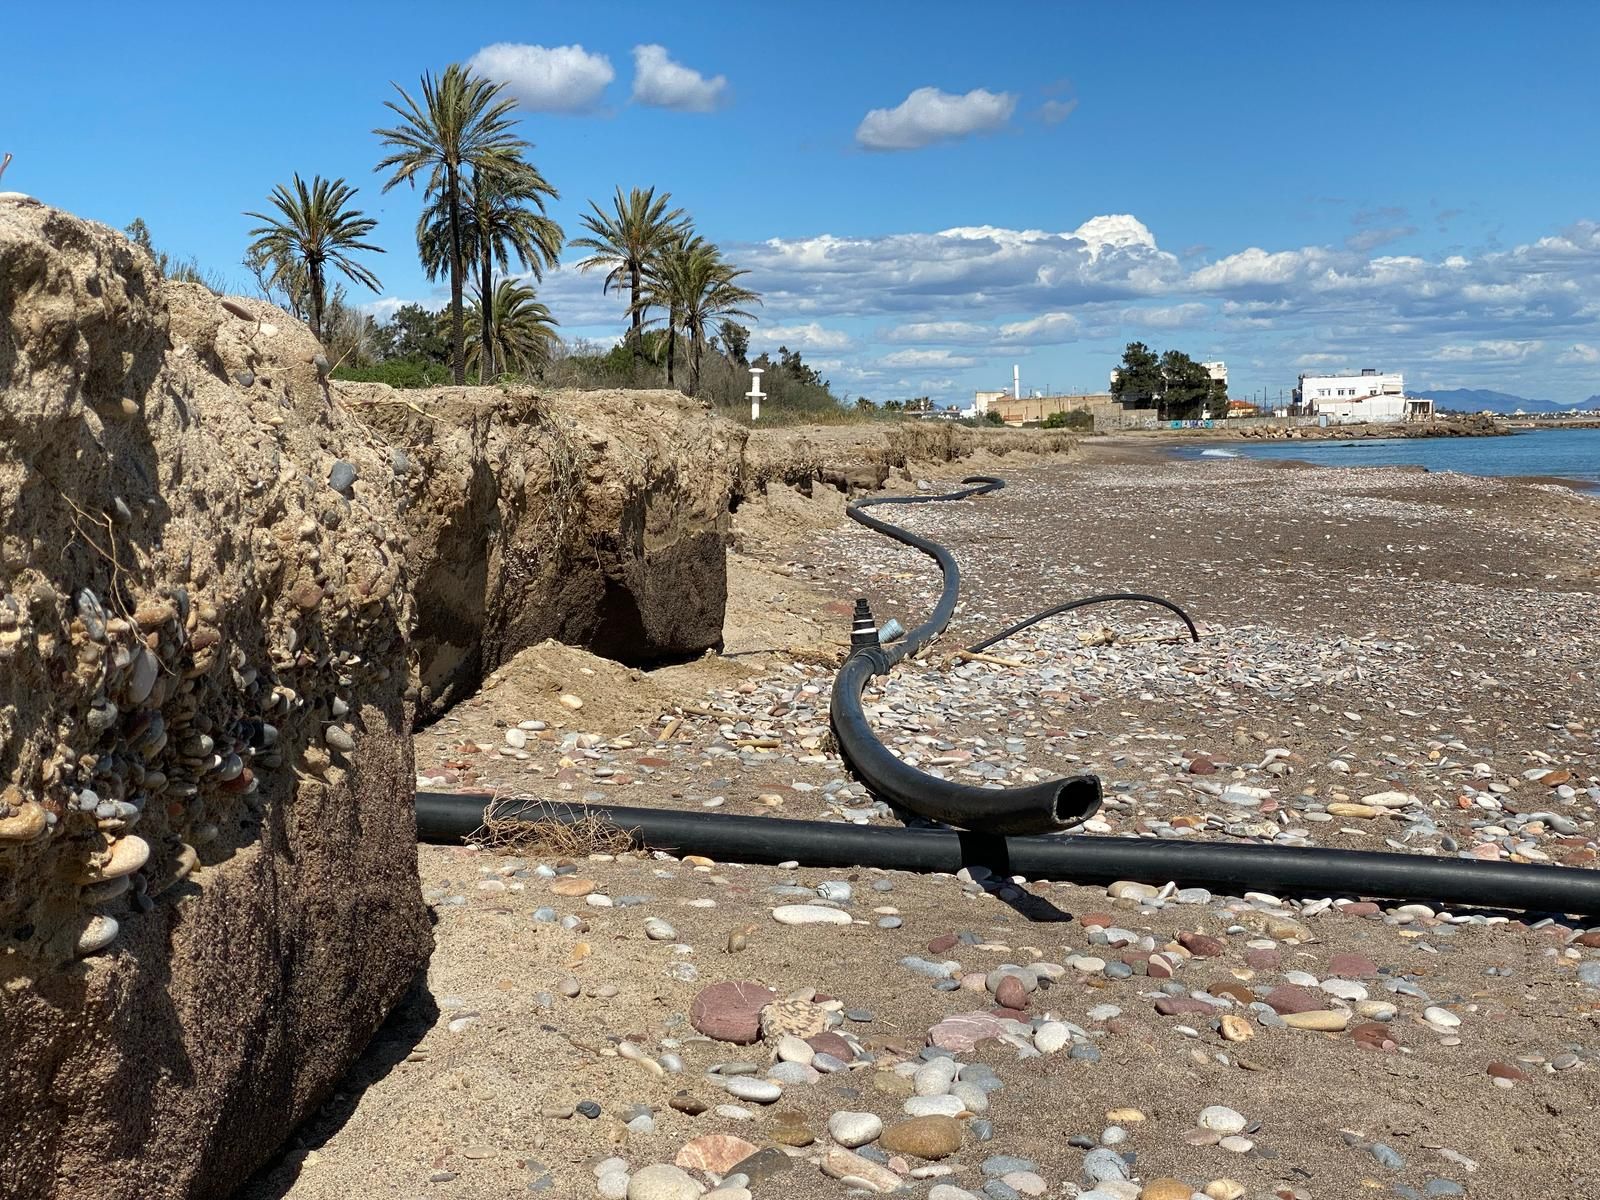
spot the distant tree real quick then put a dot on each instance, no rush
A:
(624, 241)
(1217, 399)
(524, 335)
(415, 332)
(863, 404)
(1139, 377)
(1078, 418)
(1185, 386)
(993, 418)
(314, 229)
(696, 287)
(736, 341)
(505, 221)
(463, 124)
(892, 406)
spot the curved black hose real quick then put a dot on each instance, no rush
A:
(1084, 603)
(1042, 808)
(1318, 872)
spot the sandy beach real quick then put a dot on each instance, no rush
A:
(1367, 634)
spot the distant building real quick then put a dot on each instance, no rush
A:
(983, 401)
(1370, 396)
(1218, 372)
(1029, 410)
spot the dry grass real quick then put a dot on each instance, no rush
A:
(576, 836)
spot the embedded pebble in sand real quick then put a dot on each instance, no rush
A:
(97, 932)
(809, 914)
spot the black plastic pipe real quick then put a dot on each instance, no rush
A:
(1295, 871)
(1041, 808)
(1108, 598)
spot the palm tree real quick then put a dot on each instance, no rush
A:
(463, 123)
(500, 219)
(657, 291)
(521, 330)
(694, 284)
(312, 231)
(624, 242)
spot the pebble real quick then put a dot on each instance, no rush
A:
(1441, 1017)
(1221, 1119)
(761, 1091)
(931, 1137)
(809, 914)
(1103, 1165)
(662, 1181)
(853, 1129)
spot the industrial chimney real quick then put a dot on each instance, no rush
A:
(1016, 381)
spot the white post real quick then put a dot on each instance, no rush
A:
(755, 394)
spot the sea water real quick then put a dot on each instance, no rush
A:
(1569, 453)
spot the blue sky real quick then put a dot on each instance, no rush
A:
(926, 193)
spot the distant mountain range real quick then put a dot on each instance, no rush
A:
(1482, 400)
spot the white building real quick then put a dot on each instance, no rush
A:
(1218, 372)
(1370, 396)
(982, 402)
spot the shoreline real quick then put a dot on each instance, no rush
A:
(1153, 448)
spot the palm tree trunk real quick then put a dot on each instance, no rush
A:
(486, 370)
(316, 298)
(694, 363)
(672, 345)
(458, 339)
(638, 318)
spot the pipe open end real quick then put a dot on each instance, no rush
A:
(1077, 799)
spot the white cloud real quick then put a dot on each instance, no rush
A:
(929, 115)
(949, 332)
(1490, 351)
(1053, 112)
(381, 309)
(1045, 329)
(809, 336)
(925, 360)
(662, 83)
(1580, 352)
(562, 79)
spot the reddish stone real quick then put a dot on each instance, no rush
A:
(1591, 939)
(1201, 765)
(1502, 1070)
(1202, 945)
(1011, 994)
(1360, 908)
(942, 943)
(1119, 1025)
(1234, 990)
(832, 1043)
(960, 1032)
(1118, 942)
(1172, 1006)
(1352, 966)
(654, 762)
(1159, 967)
(1374, 1035)
(731, 1012)
(1292, 999)
(1262, 960)
(1091, 919)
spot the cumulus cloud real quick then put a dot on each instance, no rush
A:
(661, 83)
(559, 79)
(948, 332)
(929, 115)
(1580, 352)
(808, 336)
